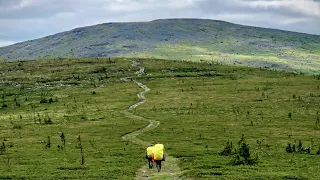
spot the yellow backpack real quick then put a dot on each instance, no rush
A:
(150, 152)
(158, 151)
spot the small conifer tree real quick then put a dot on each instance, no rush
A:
(227, 151)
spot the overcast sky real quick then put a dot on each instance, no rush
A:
(22, 20)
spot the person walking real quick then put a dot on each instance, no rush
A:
(158, 155)
(149, 156)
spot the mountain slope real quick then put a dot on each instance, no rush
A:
(181, 39)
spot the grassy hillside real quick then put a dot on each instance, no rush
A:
(199, 106)
(87, 97)
(202, 108)
(179, 39)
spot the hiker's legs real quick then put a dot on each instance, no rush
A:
(159, 165)
(150, 163)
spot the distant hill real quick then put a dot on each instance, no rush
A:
(179, 39)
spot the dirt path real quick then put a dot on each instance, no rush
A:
(170, 169)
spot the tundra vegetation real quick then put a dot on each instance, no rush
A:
(62, 118)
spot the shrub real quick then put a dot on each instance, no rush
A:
(63, 140)
(300, 148)
(289, 149)
(81, 150)
(17, 126)
(48, 144)
(318, 152)
(48, 121)
(43, 100)
(227, 151)
(243, 156)
(2, 148)
(99, 70)
(50, 100)
(307, 150)
(233, 77)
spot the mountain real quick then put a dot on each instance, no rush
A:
(179, 39)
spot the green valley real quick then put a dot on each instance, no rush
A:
(66, 118)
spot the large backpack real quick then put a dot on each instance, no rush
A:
(158, 152)
(150, 152)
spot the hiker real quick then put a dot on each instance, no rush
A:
(149, 156)
(158, 155)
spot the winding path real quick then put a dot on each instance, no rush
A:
(170, 168)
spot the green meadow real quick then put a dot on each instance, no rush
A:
(200, 106)
(231, 52)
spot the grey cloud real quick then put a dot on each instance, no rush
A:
(9, 4)
(281, 17)
(35, 9)
(240, 6)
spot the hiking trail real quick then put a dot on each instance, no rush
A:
(170, 168)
